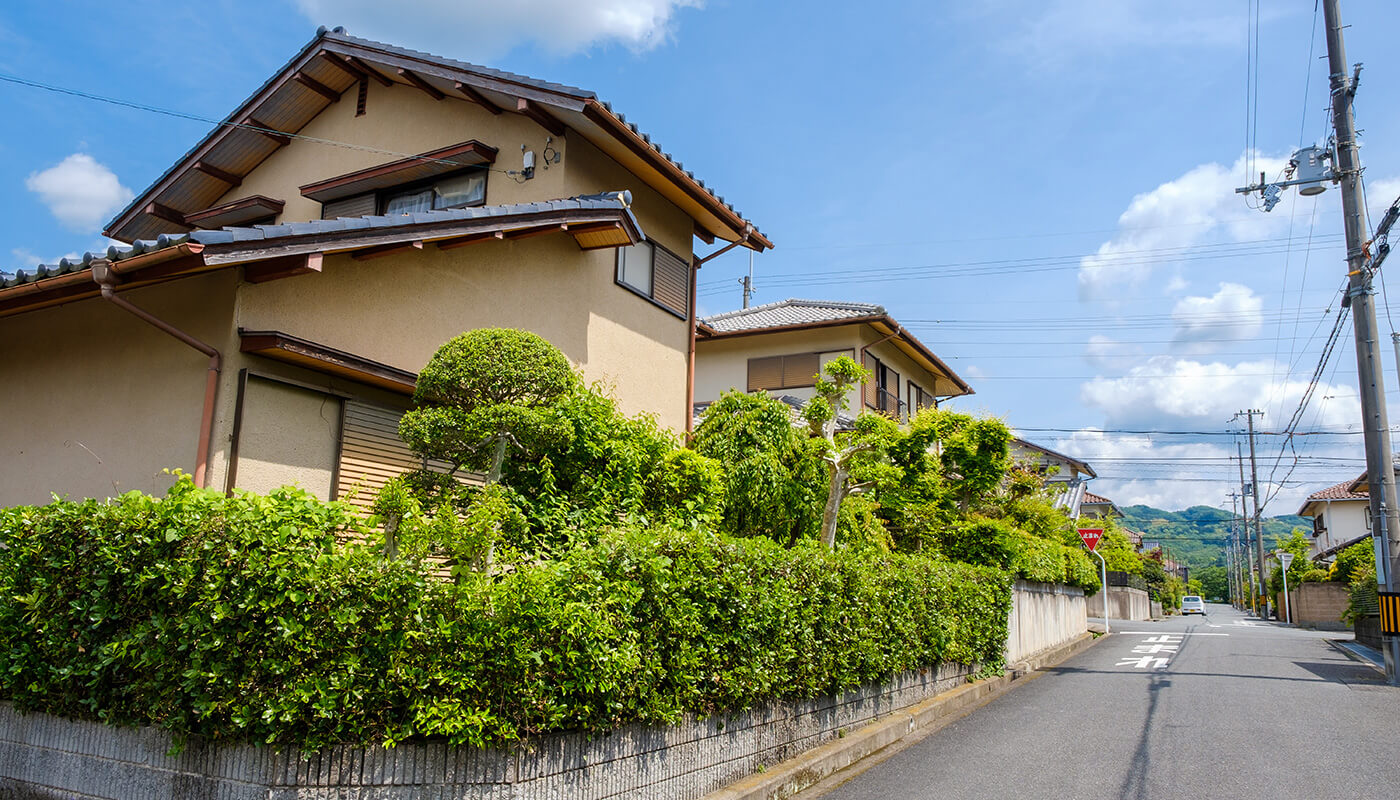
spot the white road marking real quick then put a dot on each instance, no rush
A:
(1184, 633)
(1155, 648)
(1166, 637)
(1145, 662)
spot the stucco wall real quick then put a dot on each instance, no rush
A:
(95, 402)
(400, 121)
(1317, 605)
(722, 364)
(289, 437)
(1345, 520)
(398, 310)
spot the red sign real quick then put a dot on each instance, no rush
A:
(1091, 536)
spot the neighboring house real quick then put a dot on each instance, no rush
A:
(1100, 507)
(1064, 475)
(781, 347)
(366, 204)
(1341, 517)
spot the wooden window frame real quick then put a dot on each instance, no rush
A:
(651, 296)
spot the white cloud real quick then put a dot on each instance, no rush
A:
(80, 192)
(1107, 353)
(25, 258)
(1055, 33)
(1166, 392)
(1234, 312)
(1194, 209)
(485, 30)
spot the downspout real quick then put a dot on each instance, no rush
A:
(690, 354)
(107, 278)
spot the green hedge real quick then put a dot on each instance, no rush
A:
(995, 542)
(243, 619)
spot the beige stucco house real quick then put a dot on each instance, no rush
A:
(1341, 516)
(781, 347)
(285, 280)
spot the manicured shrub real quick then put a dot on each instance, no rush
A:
(250, 618)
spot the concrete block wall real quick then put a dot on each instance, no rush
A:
(1317, 605)
(1124, 602)
(1043, 615)
(46, 757)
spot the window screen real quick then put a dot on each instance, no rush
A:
(462, 190)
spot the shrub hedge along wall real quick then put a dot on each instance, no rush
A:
(248, 618)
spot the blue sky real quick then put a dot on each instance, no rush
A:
(1039, 191)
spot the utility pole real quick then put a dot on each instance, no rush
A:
(1375, 425)
(1255, 584)
(747, 281)
(1231, 553)
(1258, 530)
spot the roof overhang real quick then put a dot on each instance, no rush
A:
(333, 62)
(950, 385)
(284, 256)
(328, 360)
(1082, 466)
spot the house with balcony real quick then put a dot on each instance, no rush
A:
(780, 348)
(282, 282)
(1341, 517)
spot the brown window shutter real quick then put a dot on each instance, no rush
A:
(371, 453)
(765, 373)
(800, 370)
(671, 281)
(892, 387)
(360, 205)
(870, 392)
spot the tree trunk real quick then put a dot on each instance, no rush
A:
(497, 460)
(836, 488)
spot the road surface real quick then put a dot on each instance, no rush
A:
(1221, 706)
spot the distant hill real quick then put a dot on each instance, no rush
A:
(1196, 536)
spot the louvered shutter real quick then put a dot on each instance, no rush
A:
(671, 281)
(360, 205)
(800, 369)
(371, 453)
(765, 373)
(870, 391)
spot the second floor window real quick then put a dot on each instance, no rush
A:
(882, 390)
(657, 274)
(466, 189)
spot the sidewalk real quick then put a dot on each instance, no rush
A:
(1360, 652)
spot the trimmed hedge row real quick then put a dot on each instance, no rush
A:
(244, 619)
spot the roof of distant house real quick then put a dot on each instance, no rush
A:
(798, 315)
(1346, 490)
(1082, 466)
(790, 313)
(1092, 499)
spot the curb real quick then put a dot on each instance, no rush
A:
(1355, 656)
(806, 770)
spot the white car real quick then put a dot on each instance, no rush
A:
(1193, 604)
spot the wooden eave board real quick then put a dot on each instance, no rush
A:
(329, 361)
(400, 171)
(236, 213)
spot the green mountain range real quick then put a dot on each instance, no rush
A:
(1196, 536)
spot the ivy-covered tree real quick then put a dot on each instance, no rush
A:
(483, 391)
(772, 477)
(871, 433)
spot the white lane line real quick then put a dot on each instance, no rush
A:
(1149, 633)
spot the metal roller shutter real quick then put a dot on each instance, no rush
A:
(671, 281)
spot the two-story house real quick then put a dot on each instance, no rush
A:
(287, 277)
(781, 347)
(1341, 517)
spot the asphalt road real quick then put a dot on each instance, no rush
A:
(1224, 706)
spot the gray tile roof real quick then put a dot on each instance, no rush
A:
(594, 202)
(790, 312)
